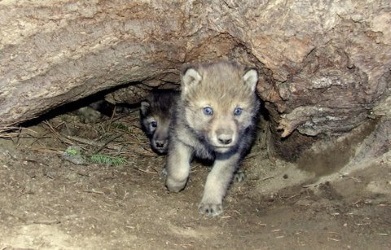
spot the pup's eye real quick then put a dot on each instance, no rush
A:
(238, 111)
(207, 111)
(153, 124)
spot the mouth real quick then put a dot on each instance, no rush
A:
(222, 149)
(160, 151)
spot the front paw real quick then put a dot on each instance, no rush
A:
(239, 176)
(163, 174)
(175, 185)
(210, 209)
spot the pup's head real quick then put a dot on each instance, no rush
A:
(155, 114)
(220, 102)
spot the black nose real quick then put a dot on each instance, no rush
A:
(225, 141)
(160, 144)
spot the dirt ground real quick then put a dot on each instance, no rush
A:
(51, 199)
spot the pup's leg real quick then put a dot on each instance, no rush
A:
(178, 166)
(217, 183)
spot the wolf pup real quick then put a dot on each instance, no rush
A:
(215, 119)
(155, 116)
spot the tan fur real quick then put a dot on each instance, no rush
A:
(205, 125)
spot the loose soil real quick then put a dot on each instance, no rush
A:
(49, 201)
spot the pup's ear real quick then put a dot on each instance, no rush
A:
(250, 78)
(144, 108)
(190, 77)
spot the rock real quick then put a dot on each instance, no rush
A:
(325, 65)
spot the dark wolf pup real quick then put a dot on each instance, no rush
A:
(155, 116)
(215, 119)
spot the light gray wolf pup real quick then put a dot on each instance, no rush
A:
(155, 115)
(215, 119)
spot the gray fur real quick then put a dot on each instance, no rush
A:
(158, 110)
(205, 126)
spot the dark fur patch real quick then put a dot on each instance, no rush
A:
(158, 108)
